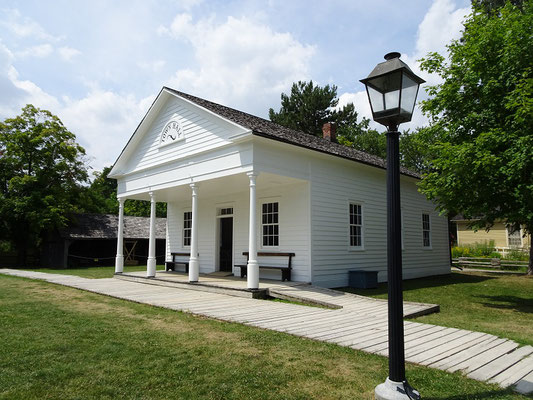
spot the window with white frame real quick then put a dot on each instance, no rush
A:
(514, 236)
(225, 211)
(356, 225)
(270, 224)
(426, 230)
(187, 228)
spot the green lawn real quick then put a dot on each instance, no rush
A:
(92, 272)
(492, 303)
(63, 343)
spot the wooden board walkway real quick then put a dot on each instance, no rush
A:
(359, 324)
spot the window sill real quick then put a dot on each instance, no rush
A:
(356, 249)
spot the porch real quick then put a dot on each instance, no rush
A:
(224, 223)
(230, 285)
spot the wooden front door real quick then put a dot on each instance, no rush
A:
(226, 244)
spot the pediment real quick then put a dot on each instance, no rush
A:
(174, 128)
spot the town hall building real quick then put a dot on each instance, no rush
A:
(240, 189)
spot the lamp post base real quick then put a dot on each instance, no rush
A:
(390, 390)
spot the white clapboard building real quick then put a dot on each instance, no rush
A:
(237, 183)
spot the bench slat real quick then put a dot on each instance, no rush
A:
(285, 271)
(269, 254)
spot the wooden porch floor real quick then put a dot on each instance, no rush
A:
(361, 324)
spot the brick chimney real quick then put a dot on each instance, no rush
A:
(329, 131)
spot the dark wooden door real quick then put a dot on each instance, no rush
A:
(226, 244)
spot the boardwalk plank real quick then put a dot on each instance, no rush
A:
(500, 364)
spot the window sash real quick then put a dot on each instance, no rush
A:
(426, 230)
(187, 228)
(514, 236)
(270, 224)
(356, 225)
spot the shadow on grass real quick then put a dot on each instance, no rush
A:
(421, 283)
(493, 394)
(520, 304)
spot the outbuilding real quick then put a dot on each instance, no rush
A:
(91, 239)
(238, 187)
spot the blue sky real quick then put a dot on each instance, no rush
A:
(99, 64)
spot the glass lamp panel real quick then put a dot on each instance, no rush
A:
(387, 83)
(376, 99)
(392, 100)
(409, 92)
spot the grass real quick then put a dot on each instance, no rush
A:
(491, 303)
(63, 343)
(497, 304)
(92, 272)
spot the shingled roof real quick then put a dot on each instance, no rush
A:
(265, 128)
(105, 226)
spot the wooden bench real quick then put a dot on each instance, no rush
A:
(171, 265)
(285, 270)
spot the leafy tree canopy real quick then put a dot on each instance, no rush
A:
(415, 152)
(41, 167)
(481, 119)
(101, 197)
(309, 107)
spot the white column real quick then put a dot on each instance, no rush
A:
(150, 265)
(119, 260)
(194, 266)
(253, 267)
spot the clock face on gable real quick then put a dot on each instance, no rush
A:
(172, 132)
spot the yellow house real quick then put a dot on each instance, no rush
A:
(505, 237)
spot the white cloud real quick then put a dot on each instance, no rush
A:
(39, 51)
(240, 62)
(359, 100)
(103, 121)
(154, 66)
(25, 26)
(68, 53)
(15, 93)
(441, 24)
(188, 4)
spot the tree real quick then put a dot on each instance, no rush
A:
(415, 152)
(101, 197)
(309, 107)
(41, 168)
(367, 140)
(481, 118)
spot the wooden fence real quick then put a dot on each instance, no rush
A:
(496, 263)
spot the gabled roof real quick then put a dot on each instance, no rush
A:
(271, 130)
(105, 226)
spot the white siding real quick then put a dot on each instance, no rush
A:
(202, 131)
(294, 228)
(334, 183)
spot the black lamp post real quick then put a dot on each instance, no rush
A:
(392, 89)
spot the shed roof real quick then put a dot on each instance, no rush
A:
(265, 128)
(105, 226)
